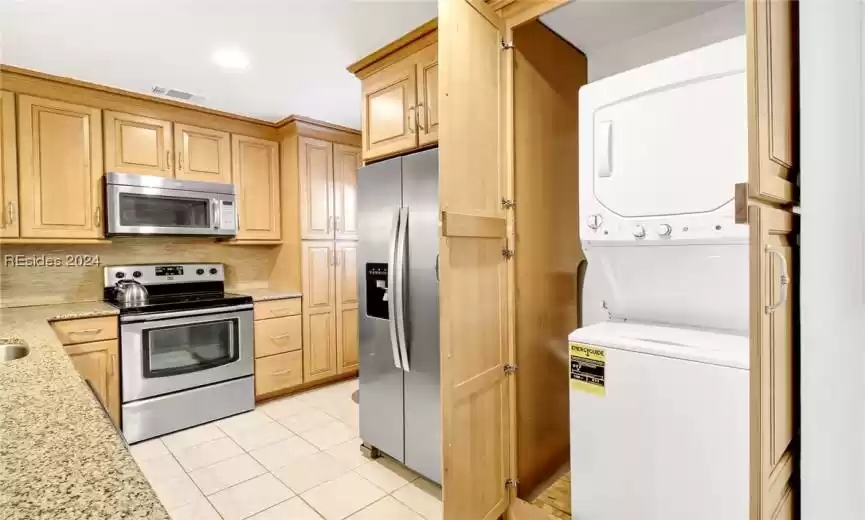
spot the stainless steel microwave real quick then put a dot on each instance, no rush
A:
(151, 205)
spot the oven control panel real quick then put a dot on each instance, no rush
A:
(165, 273)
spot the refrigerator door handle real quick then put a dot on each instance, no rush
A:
(391, 288)
(401, 287)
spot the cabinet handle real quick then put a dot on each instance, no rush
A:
(784, 280)
(98, 216)
(168, 160)
(281, 372)
(180, 160)
(336, 258)
(280, 336)
(11, 210)
(411, 115)
(337, 227)
(85, 331)
(329, 224)
(279, 312)
(418, 118)
(111, 364)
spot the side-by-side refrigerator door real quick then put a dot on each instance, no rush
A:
(420, 194)
(379, 199)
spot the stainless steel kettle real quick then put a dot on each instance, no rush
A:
(130, 292)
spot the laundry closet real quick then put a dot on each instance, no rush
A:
(683, 247)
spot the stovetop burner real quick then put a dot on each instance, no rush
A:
(172, 287)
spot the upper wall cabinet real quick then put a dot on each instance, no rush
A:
(9, 222)
(400, 90)
(346, 161)
(316, 188)
(136, 144)
(202, 154)
(256, 177)
(60, 165)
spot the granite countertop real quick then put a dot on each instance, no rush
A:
(262, 295)
(60, 455)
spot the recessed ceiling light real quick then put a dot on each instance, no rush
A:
(231, 58)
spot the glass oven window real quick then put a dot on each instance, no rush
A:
(152, 210)
(188, 348)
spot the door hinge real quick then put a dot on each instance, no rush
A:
(508, 203)
(507, 253)
(512, 483)
(507, 45)
(510, 368)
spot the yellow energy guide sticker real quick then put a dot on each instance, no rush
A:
(587, 368)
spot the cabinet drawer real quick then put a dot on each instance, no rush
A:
(278, 372)
(276, 308)
(277, 335)
(86, 330)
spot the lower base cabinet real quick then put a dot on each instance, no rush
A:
(278, 372)
(98, 364)
(278, 346)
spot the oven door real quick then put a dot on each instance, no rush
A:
(137, 210)
(172, 351)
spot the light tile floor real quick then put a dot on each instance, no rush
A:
(294, 458)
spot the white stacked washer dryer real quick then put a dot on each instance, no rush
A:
(659, 386)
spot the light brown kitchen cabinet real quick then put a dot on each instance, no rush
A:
(346, 161)
(399, 111)
(60, 169)
(278, 373)
(346, 307)
(316, 188)
(137, 144)
(388, 114)
(9, 221)
(255, 174)
(427, 95)
(203, 154)
(97, 362)
(319, 310)
(277, 327)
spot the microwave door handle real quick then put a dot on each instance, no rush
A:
(215, 204)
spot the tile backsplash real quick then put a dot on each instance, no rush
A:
(245, 266)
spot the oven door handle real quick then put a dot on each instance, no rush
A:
(180, 314)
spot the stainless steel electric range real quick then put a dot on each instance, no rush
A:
(186, 347)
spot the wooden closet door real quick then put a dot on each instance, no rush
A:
(255, 174)
(772, 99)
(316, 189)
(346, 307)
(9, 222)
(137, 144)
(772, 275)
(388, 114)
(475, 390)
(427, 95)
(319, 310)
(202, 154)
(60, 162)
(346, 161)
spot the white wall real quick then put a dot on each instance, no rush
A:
(832, 277)
(714, 26)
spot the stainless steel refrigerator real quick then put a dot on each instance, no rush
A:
(400, 407)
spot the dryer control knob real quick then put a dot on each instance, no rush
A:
(595, 221)
(639, 231)
(664, 230)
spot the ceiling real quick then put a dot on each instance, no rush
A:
(592, 24)
(298, 49)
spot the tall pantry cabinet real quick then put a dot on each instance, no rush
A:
(324, 162)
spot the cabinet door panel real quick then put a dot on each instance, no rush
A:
(346, 160)
(319, 311)
(60, 147)
(389, 98)
(772, 274)
(256, 177)
(316, 188)
(98, 364)
(136, 144)
(771, 32)
(202, 154)
(9, 222)
(427, 95)
(346, 306)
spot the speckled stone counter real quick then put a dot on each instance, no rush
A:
(263, 295)
(60, 456)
